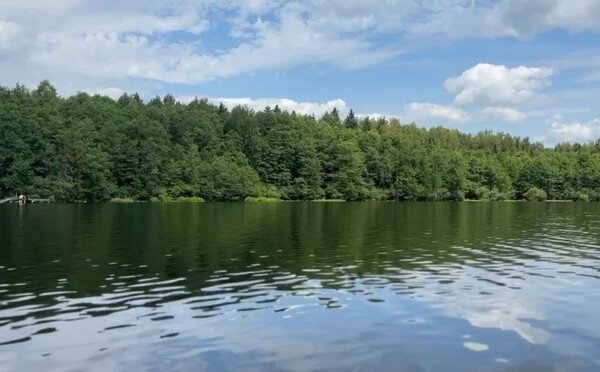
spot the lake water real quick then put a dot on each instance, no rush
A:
(300, 286)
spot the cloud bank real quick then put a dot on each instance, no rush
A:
(166, 40)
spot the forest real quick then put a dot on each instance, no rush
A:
(91, 148)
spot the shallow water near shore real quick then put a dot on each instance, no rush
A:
(300, 286)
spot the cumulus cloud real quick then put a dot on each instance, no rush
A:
(504, 113)
(147, 45)
(376, 116)
(287, 43)
(487, 92)
(304, 108)
(136, 40)
(575, 132)
(428, 112)
(164, 40)
(497, 85)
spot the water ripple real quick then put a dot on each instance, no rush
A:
(515, 280)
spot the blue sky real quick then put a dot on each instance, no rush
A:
(527, 67)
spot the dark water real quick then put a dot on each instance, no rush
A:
(300, 286)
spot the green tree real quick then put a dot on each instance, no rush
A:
(351, 122)
(89, 148)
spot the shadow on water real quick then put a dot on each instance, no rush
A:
(301, 286)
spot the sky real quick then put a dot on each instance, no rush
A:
(526, 67)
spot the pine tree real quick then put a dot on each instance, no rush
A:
(351, 122)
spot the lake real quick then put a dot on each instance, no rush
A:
(300, 286)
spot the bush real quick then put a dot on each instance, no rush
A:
(189, 199)
(483, 193)
(181, 199)
(227, 178)
(535, 194)
(439, 194)
(266, 191)
(261, 199)
(122, 200)
(457, 195)
(495, 195)
(379, 194)
(593, 195)
(472, 191)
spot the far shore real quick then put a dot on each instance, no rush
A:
(190, 200)
(274, 200)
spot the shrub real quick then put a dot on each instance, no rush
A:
(457, 195)
(495, 195)
(190, 199)
(482, 193)
(122, 200)
(535, 194)
(260, 199)
(266, 191)
(593, 195)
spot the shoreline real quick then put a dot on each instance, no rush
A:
(319, 201)
(266, 200)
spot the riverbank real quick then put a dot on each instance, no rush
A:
(274, 200)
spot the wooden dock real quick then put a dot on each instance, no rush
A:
(15, 199)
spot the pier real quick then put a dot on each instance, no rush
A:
(15, 199)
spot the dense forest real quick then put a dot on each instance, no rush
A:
(88, 148)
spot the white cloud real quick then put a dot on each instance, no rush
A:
(458, 18)
(376, 116)
(116, 39)
(10, 39)
(487, 92)
(106, 40)
(497, 85)
(135, 46)
(574, 132)
(517, 18)
(527, 17)
(112, 92)
(504, 113)
(428, 112)
(285, 104)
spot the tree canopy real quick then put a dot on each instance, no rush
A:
(90, 148)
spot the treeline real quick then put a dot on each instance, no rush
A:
(93, 148)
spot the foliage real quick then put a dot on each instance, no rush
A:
(122, 200)
(260, 199)
(92, 149)
(190, 199)
(535, 194)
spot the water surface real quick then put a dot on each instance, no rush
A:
(300, 286)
